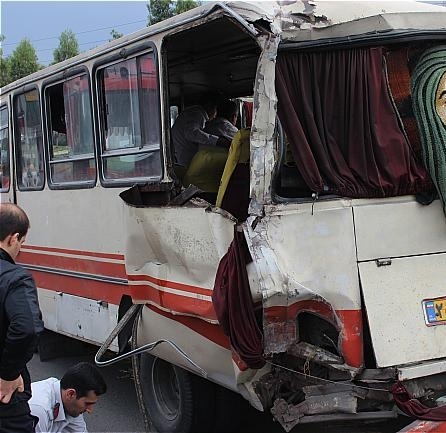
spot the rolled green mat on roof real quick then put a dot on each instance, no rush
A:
(424, 84)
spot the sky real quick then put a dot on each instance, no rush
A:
(42, 22)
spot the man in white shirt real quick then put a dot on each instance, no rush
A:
(187, 132)
(60, 404)
(224, 124)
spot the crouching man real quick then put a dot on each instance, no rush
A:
(60, 404)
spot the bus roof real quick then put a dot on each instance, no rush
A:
(298, 22)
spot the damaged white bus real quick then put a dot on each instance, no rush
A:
(306, 270)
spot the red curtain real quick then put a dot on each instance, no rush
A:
(413, 407)
(234, 306)
(342, 127)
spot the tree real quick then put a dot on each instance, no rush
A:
(159, 10)
(23, 60)
(68, 47)
(185, 5)
(4, 66)
(115, 35)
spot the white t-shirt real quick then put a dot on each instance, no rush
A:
(46, 404)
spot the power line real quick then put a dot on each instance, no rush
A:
(78, 33)
(84, 43)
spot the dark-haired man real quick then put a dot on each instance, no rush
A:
(60, 404)
(223, 125)
(187, 132)
(20, 323)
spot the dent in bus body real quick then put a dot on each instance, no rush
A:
(312, 308)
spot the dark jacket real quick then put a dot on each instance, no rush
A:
(20, 324)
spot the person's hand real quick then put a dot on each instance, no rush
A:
(7, 388)
(223, 142)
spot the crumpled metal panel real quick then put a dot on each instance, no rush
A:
(263, 126)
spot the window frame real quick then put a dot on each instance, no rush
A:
(124, 54)
(5, 107)
(22, 91)
(60, 79)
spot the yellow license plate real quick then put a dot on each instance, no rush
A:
(435, 311)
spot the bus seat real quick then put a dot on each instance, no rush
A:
(238, 154)
(206, 168)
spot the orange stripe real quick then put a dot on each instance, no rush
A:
(103, 268)
(352, 342)
(208, 330)
(171, 284)
(421, 426)
(83, 287)
(174, 302)
(116, 270)
(75, 252)
(348, 322)
(98, 290)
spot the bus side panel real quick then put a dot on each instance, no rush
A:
(74, 251)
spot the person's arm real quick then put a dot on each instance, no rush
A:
(22, 310)
(8, 387)
(193, 132)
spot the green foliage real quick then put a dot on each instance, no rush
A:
(159, 10)
(5, 71)
(68, 47)
(185, 5)
(115, 35)
(4, 66)
(23, 61)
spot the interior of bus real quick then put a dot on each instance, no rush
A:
(325, 144)
(345, 126)
(218, 57)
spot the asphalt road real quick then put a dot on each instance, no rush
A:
(117, 410)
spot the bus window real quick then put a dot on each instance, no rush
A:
(28, 141)
(4, 150)
(131, 120)
(70, 132)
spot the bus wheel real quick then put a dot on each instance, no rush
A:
(171, 397)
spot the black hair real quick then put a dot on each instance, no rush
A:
(13, 219)
(209, 100)
(227, 109)
(83, 378)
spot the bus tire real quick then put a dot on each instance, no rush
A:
(175, 400)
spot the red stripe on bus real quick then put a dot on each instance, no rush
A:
(75, 252)
(212, 332)
(422, 426)
(78, 286)
(112, 293)
(85, 265)
(171, 284)
(348, 322)
(174, 302)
